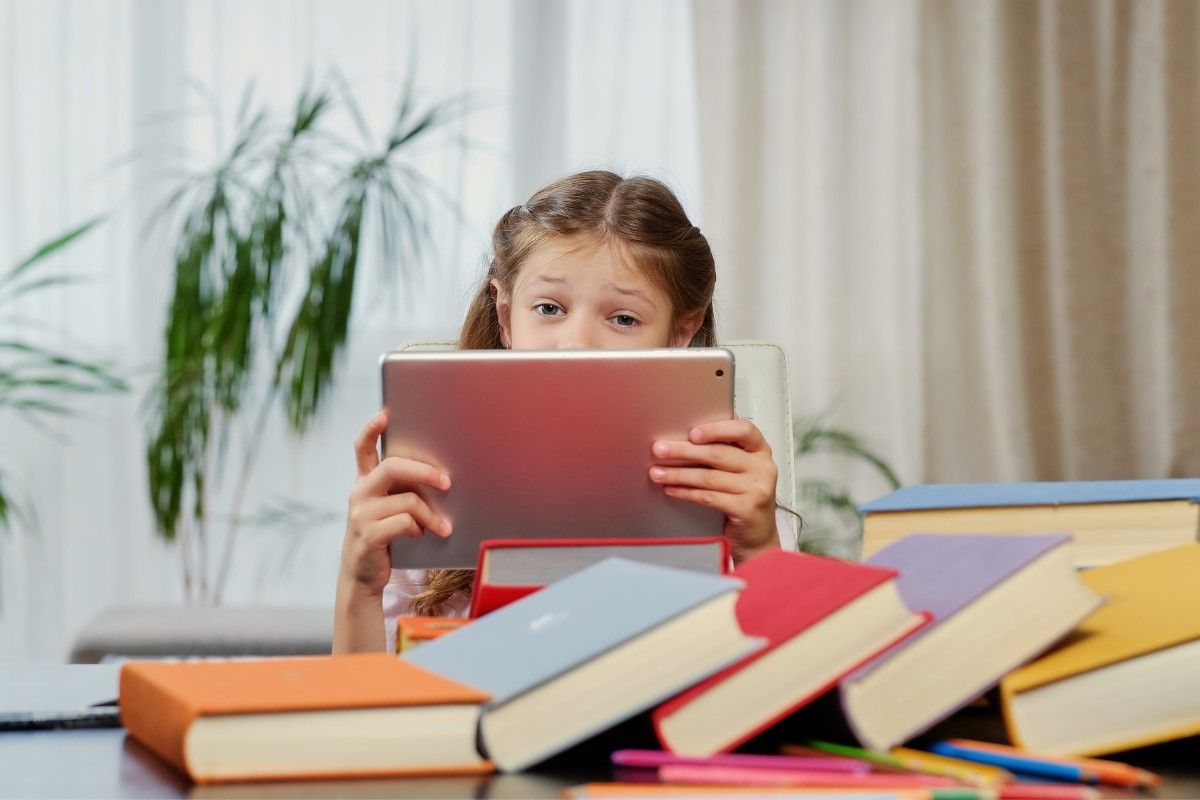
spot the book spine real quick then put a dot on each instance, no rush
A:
(153, 716)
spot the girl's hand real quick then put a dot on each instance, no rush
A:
(376, 515)
(736, 476)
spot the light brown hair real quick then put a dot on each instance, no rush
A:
(642, 220)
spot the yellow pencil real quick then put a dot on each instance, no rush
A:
(967, 771)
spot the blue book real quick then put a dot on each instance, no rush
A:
(588, 652)
(1042, 493)
(1109, 520)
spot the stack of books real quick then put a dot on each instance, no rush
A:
(1109, 521)
(929, 623)
(1130, 674)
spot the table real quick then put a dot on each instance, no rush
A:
(107, 763)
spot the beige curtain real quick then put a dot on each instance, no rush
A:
(975, 225)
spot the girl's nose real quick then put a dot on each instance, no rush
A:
(580, 336)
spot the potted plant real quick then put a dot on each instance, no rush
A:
(832, 522)
(268, 241)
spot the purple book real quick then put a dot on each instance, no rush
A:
(997, 601)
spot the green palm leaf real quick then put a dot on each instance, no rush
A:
(48, 249)
(36, 381)
(811, 436)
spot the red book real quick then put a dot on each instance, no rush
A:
(509, 569)
(822, 618)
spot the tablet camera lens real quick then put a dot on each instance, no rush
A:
(720, 373)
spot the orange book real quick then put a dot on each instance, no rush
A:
(411, 631)
(1127, 677)
(364, 715)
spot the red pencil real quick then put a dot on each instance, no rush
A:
(743, 776)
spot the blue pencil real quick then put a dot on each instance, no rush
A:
(1015, 763)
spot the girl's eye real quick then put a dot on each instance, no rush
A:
(625, 320)
(547, 309)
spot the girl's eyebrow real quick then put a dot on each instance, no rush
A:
(631, 293)
(541, 278)
(555, 281)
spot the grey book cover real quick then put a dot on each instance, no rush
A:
(532, 641)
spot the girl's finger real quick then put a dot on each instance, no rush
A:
(375, 509)
(700, 478)
(741, 432)
(366, 446)
(720, 456)
(724, 502)
(404, 523)
(384, 531)
(394, 472)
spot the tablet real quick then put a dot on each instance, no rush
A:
(549, 444)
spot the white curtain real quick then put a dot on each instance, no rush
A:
(974, 224)
(90, 95)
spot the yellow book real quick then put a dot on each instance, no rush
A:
(1129, 676)
(1110, 520)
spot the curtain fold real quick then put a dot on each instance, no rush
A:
(974, 225)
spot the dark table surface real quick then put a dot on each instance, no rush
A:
(106, 763)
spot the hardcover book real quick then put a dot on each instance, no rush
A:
(312, 717)
(509, 569)
(1110, 520)
(1128, 678)
(588, 652)
(821, 617)
(997, 601)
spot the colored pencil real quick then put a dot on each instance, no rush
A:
(779, 777)
(1115, 773)
(1045, 791)
(875, 766)
(608, 790)
(1017, 762)
(872, 756)
(660, 758)
(967, 771)
(927, 763)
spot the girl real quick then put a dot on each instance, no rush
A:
(590, 261)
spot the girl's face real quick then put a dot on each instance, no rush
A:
(574, 293)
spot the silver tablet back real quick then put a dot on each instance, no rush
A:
(549, 444)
